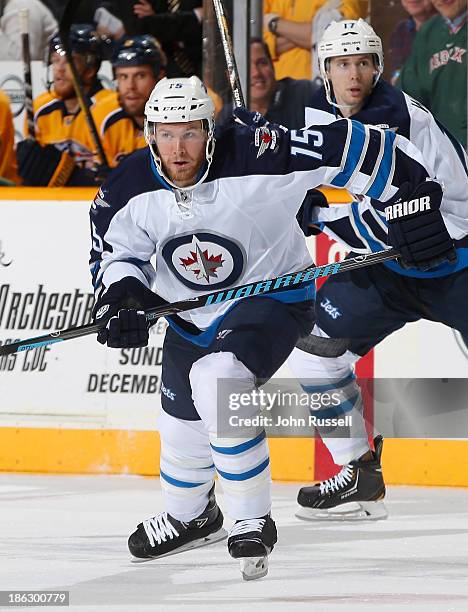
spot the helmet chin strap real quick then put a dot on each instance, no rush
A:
(328, 95)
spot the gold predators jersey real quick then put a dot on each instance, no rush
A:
(69, 132)
(120, 134)
(7, 140)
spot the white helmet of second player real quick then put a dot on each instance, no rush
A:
(348, 37)
(179, 100)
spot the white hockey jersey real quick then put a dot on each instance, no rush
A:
(359, 225)
(241, 224)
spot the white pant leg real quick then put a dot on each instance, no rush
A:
(334, 376)
(241, 457)
(187, 470)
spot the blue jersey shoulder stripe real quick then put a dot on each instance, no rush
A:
(385, 168)
(353, 155)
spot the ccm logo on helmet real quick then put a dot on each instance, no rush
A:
(402, 209)
(173, 108)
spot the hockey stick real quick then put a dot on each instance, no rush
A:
(26, 53)
(233, 73)
(263, 287)
(64, 30)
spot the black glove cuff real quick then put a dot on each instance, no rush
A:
(313, 198)
(127, 293)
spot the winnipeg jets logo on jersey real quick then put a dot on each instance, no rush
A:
(99, 200)
(201, 263)
(331, 310)
(201, 260)
(265, 138)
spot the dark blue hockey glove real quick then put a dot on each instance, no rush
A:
(121, 311)
(417, 229)
(304, 216)
(248, 118)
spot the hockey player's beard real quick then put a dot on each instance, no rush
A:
(136, 111)
(183, 176)
(65, 91)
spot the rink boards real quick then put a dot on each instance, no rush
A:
(81, 408)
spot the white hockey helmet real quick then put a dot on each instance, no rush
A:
(349, 37)
(179, 100)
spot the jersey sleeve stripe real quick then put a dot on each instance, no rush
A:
(46, 109)
(364, 234)
(357, 171)
(386, 167)
(343, 232)
(354, 154)
(113, 117)
(374, 165)
(373, 230)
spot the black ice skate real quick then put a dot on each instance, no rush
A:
(356, 493)
(251, 541)
(163, 535)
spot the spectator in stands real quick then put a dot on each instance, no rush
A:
(107, 24)
(42, 25)
(138, 65)
(436, 71)
(280, 101)
(177, 24)
(121, 9)
(403, 35)
(293, 27)
(58, 154)
(7, 142)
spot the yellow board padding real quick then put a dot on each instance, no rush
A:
(425, 462)
(79, 451)
(48, 193)
(94, 451)
(335, 196)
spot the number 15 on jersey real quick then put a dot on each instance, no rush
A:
(310, 140)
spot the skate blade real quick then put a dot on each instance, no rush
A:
(354, 511)
(217, 536)
(253, 568)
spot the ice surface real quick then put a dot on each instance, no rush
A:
(69, 533)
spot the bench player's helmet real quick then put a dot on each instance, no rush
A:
(180, 100)
(141, 50)
(84, 40)
(348, 37)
